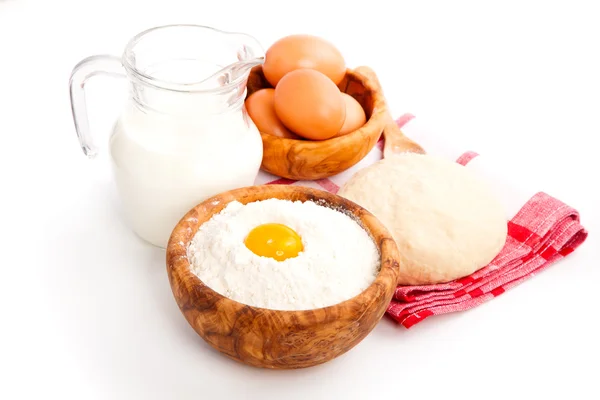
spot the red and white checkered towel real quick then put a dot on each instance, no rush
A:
(541, 231)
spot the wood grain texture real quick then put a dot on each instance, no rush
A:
(311, 160)
(395, 140)
(271, 338)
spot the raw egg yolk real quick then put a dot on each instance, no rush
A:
(273, 240)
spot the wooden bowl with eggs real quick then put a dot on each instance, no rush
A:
(302, 159)
(270, 338)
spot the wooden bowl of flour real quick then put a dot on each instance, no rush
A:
(277, 339)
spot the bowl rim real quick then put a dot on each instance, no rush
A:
(375, 121)
(388, 250)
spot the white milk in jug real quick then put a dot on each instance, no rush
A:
(184, 134)
(171, 151)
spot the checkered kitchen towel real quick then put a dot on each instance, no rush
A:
(541, 231)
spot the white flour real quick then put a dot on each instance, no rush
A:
(339, 260)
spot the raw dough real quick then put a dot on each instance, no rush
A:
(445, 220)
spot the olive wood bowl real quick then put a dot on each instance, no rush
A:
(311, 159)
(271, 338)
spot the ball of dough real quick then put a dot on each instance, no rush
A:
(444, 219)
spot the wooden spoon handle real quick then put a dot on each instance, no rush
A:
(395, 141)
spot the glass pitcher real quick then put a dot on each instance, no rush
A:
(184, 133)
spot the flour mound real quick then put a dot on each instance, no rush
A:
(339, 261)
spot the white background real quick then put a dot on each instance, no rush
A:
(86, 308)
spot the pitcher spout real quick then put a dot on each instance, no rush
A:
(241, 69)
(230, 76)
(249, 47)
(249, 54)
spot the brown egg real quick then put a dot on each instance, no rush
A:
(262, 111)
(303, 51)
(355, 115)
(310, 104)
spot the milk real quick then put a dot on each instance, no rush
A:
(171, 150)
(183, 134)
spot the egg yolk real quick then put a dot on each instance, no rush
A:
(277, 241)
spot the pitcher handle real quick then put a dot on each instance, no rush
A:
(85, 69)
